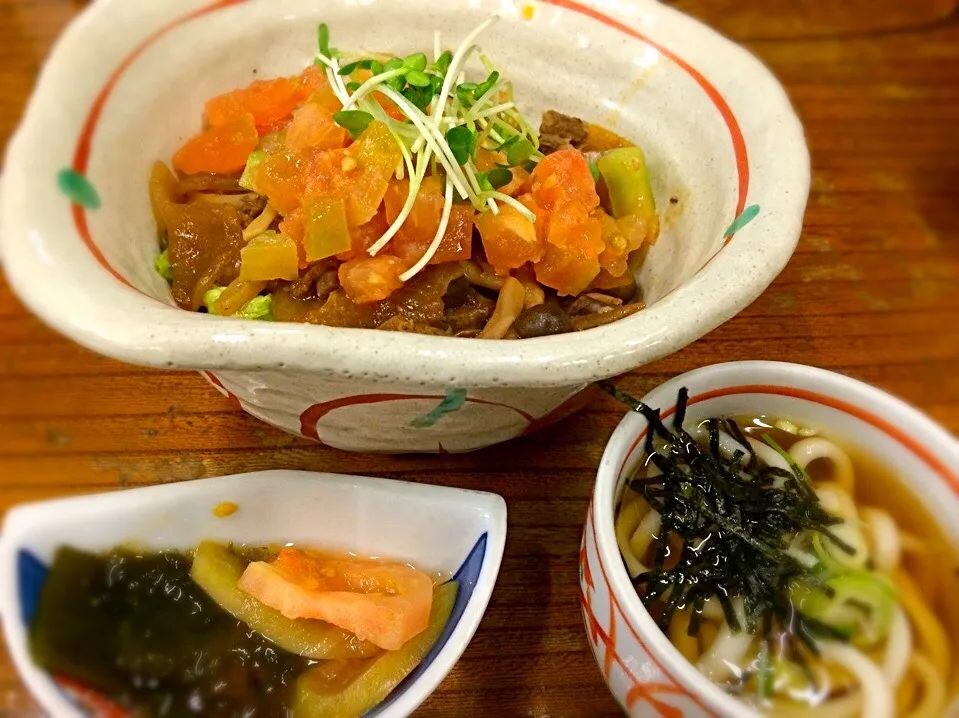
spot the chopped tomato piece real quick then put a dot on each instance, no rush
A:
(359, 174)
(619, 243)
(371, 279)
(562, 177)
(314, 80)
(268, 101)
(313, 128)
(293, 226)
(417, 233)
(386, 604)
(574, 243)
(509, 239)
(365, 236)
(518, 184)
(218, 150)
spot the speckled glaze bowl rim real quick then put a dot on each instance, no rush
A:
(39, 519)
(848, 394)
(96, 310)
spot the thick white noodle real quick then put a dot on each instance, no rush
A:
(877, 694)
(884, 538)
(644, 535)
(806, 451)
(725, 656)
(895, 659)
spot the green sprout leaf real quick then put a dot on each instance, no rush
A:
(442, 63)
(499, 177)
(353, 121)
(419, 96)
(415, 62)
(418, 78)
(519, 151)
(353, 86)
(394, 63)
(487, 84)
(323, 37)
(461, 141)
(162, 266)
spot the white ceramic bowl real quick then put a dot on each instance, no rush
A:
(640, 665)
(126, 84)
(438, 529)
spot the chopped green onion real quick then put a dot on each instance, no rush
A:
(353, 121)
(461, 141)
(418, 78)
(797, 469)
(765, 672)
(162, 265)
(257, 308)
(416, 61)
(210, 297)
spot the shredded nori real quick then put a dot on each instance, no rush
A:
(734, 519)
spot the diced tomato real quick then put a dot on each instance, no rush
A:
(365, 236)
(218, 150)
(359, 174)
(574, 243)
(314, 80)
(281, 178)
(268, 101)
(519, 183)
(313, 128)
(621, 240)
(419, 229)
(542, 215)
(292, 225)
(509, 239)
(371, 279)
(562, 177)
(386, 604)
(387, 104)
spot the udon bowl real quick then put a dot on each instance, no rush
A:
(449, 532)
(645, 672)
(726, 151)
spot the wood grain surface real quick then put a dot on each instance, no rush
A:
(873, 291)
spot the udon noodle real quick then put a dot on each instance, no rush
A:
(863, 619)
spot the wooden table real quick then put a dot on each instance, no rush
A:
(872, 291)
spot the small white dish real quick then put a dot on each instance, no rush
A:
(643, 670)
(438, 529)
(727, 156)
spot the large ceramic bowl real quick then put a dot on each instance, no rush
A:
(451, 532)
(126, 84)
(647, 675)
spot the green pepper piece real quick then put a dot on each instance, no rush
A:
(217, 570)
(627, 180)
(351, 687)
(252, 162)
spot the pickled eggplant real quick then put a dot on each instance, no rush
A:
(216, 569)
(351, 687)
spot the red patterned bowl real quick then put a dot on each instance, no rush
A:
(644, 671)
